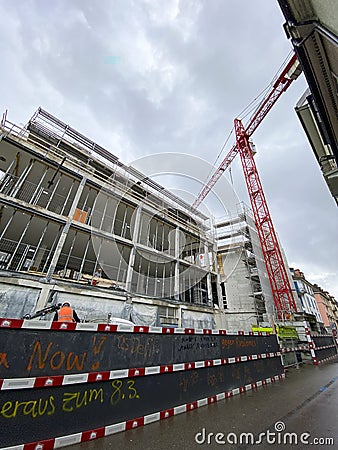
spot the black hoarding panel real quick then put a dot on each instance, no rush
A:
(59, 411)
(31, 353)
(322, 341)
(325, 353)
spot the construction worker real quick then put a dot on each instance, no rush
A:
(96, 277)
(66, 314)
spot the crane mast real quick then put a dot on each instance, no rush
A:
(277, 273)
(279, 281)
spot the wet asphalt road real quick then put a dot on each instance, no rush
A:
(305, 402)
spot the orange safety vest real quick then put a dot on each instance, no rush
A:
(65, 314)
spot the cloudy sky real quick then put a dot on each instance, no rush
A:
(145, 77)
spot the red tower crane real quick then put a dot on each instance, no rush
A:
(279, 281)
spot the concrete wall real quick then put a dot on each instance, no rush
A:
(25, 295)
(240, 313)
(15, 301)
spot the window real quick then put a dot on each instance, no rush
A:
(168, 316)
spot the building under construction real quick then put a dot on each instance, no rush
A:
(76, 224)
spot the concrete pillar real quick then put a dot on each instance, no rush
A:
(207, 264)
(177, 267)
(43, 298)
(209, 289)
(136, 229)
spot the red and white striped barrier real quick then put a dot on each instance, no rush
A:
(90, 377)
(330, 358)
(295, 349)
(109, 328)
(313, 347)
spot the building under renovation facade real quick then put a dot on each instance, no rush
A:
(245, 287)
(247, 298)
(76, 224)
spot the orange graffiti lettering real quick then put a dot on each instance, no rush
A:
(55, 360)
(75, 361)
(3, 360)
(41, 360)
(57, 364)
(97, 350)
(227, 343)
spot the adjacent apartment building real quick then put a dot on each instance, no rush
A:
(312, 27)
(309, 307)
(327, 306)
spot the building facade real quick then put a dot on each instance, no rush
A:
(327, 306)
(245, 288)
(309, 307)
(77, 223)
(312, 27)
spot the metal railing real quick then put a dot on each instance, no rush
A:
(35, 194)
(22, 257)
